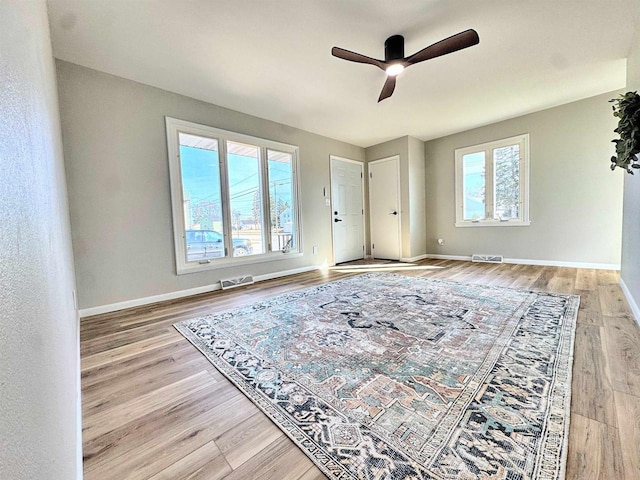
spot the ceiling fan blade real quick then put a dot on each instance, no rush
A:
(356, 57)
(465, 39)
(388, 88)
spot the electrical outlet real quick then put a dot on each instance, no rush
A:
(315, 250)
(441, 241)
(327, 202)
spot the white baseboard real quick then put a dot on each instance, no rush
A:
(635, 309)
(556, 263)
(137, 302)
(448, 257)
(413, 259)
(545, 263)
(284, 273)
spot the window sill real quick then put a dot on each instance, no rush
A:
(494, 223)
(225, 263)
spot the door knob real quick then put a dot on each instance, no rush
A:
(337, 220)
(393, 213)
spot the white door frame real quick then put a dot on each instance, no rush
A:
(397, 160)
(364, 208)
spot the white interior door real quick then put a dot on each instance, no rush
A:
(347, 209)
(384, 204)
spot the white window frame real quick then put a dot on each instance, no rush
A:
(487, 148)
(174, 128)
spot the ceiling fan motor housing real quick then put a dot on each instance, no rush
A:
(394, 48)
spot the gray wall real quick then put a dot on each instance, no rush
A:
(118, 180)
(39, 351)
(575, 200)
(417, 196)
(630, 273)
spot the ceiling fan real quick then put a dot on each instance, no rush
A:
(395, 62)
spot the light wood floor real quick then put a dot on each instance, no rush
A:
(155, 408)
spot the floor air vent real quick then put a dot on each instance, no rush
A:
(487, 258)
(236, 282)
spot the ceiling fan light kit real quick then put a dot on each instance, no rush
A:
(395, 62)
(394, 69)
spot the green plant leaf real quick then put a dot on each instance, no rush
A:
(627, 108)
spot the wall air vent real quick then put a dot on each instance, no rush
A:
(236, 282)
(487, 258)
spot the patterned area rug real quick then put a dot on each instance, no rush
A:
(385, 376)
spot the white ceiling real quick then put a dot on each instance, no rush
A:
(271, 58)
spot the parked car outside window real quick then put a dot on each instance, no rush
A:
(208, 244)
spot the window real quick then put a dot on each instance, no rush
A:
(234, 197)
(492, 183)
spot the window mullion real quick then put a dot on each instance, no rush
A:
(266, 199)
(180, 212)
(489, 184)
(523, 183)
(226, 200)
(296, 193)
